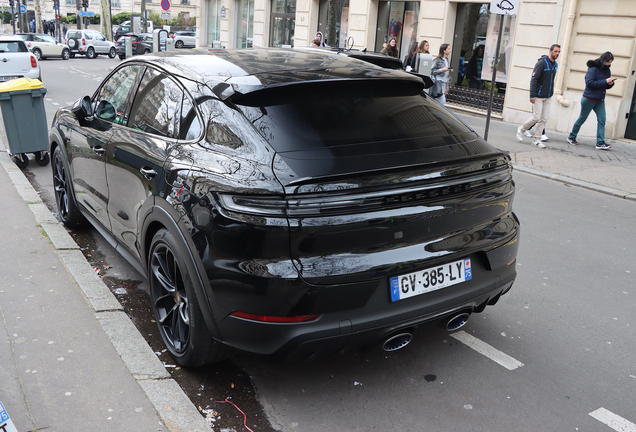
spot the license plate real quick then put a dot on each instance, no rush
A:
(8, 78)
(6, 424)
(431, 279)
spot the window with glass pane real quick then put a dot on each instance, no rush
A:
(333, 21)
(157, 105)
(244, 23)
(283, 23)
(214, 21)
(112, 102)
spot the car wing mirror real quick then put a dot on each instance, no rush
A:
(82, 108)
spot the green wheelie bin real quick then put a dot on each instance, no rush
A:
(22, 104)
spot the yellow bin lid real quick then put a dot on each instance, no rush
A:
(21, 84)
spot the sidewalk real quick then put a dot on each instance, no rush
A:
(608, 171)
(70, 358)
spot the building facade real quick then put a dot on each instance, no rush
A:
(584, 29)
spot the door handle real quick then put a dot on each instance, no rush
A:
(99, 150)
(149, 173)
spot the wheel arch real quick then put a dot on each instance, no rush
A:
(162, 215)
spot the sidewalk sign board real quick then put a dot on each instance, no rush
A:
(499, 7)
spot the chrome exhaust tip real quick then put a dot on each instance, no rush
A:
(457, 322)
(397, 342)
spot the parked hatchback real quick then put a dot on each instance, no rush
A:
(287, 204)
(44, 46)
(90, 43)
(16, 59)
(140, 45)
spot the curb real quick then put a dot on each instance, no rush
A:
(574, 182)
(172, 405)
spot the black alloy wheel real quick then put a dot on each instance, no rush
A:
(62, 188)
(176, 307)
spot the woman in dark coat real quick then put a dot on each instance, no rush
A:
(597, 80)
(411, 57)
(475, 64)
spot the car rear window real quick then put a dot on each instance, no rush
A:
(311, 120)
(13, 46)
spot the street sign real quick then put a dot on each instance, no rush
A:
(504, 7)
(86, 14)
(165, 5)
(22, 8)
(165, 15)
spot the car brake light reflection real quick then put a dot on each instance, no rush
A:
(276, 319)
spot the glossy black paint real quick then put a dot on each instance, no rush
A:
(414, 201)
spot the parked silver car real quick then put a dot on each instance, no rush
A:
(90, 43)
(16, 59)
(185, 39)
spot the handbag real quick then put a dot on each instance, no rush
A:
(437, 90)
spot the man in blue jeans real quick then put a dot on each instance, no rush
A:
(597, 80)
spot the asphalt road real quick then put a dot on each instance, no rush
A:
(555, 354)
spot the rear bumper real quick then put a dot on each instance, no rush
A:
(337, 332)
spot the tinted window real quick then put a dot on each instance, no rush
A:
(309, 120)
(13, 46)
(156, 108)
(112, 101)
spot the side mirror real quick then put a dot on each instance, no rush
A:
(82, 108)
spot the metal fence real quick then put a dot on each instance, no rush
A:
(476, 99)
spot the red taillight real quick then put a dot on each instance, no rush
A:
(34, 62)
(135, 43)
(83, 41)
(276, 319)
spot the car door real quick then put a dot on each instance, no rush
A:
(101, 43)
(135, 163)
(91, 138)
(44, 45)
(51, 46)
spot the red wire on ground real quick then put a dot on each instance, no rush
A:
(244, 416)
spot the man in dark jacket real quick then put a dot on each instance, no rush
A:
(541, 91)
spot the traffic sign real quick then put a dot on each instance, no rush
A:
(22, 8)
(165, 15)
(86, 14)
(165, 4)
(504, 7)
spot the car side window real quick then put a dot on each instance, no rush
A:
(157, 105)
(99, 37)
(190, 127)
(88, 36)
(112, 102)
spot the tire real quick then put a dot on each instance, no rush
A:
(63, 189)
(66, 54)
(72, 55)
(73, 43)
(21, 160)
(146, 51)
(178, 44)
(122, 56)
(37, 53)
(112, 53)
(42, 158)
(90, 53)
(175, 305)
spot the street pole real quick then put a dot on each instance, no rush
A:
(78, 20)
(494, 76)
(13, 15)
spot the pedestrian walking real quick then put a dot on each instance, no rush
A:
(45, 27)
(541, 91)
(319, 36)
(597, 80)
(410, 61)
(423, 48)
(441, 72)
(391, 49)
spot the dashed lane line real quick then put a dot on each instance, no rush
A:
(614, 421)
(487, 350)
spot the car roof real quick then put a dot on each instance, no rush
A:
(247, 70)
(11, 38)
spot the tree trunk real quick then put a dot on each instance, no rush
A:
(38, 17)
(106, 25)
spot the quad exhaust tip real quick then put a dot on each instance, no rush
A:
(397, 342)
(457, 322)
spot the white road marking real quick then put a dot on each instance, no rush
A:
(483, 348)
(617, 423)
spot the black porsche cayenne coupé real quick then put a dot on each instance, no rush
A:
(287, 203)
